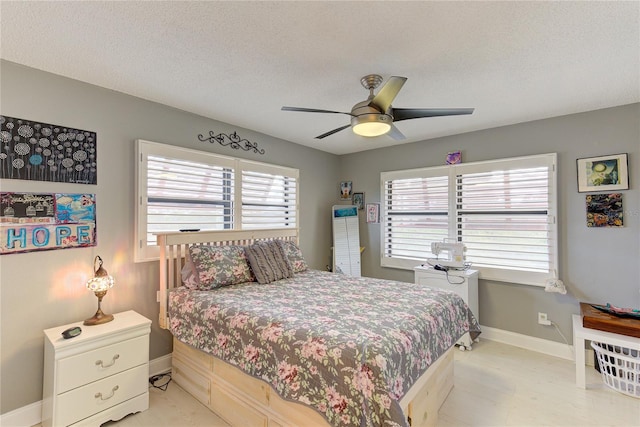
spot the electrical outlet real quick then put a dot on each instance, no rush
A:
(543, 320)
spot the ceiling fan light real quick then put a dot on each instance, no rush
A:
(370, 126)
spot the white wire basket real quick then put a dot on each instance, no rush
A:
(620, 367)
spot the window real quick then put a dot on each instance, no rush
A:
(180, 189)
(268, 199)
(503, 211)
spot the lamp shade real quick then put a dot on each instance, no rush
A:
(101, 281)
(371, 125)
(99, 284)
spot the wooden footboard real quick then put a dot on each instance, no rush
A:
(244, 401)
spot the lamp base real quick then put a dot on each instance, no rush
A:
(99, 318)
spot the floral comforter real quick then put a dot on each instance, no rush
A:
(350, 347)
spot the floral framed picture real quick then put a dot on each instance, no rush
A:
(604, 173)
(373, 213)
(358, 200)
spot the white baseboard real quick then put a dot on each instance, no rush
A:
(26, 416)
(160, 365)
(31, 415)
(540, 345)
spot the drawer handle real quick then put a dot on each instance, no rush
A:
(113, 392)
(113, 361)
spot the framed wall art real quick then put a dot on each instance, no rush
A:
(605, 210)
(346, 190)
(358, 200)
(604, 173)
(373, 213)
(36, 151)
(46, 221)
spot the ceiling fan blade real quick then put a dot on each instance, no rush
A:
(331, 132)
(395, 133)
(312, 110)
(382, 101)
(417, 113)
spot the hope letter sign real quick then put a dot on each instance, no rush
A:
(36, 222)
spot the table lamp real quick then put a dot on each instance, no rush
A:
(100, 283)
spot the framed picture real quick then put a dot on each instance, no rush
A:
(358, 200)
(605, 210)
(345, 190)
(373, 212)
(604, 173)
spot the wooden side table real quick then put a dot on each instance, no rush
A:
(100, 375)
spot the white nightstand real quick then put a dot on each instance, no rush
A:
(462, 282)
(100, 375)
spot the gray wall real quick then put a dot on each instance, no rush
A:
(597, 265)
(40, 290)
(44, 289)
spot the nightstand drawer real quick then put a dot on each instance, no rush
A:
(90, 399)
(93, 365)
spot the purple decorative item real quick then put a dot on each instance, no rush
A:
(454, 158)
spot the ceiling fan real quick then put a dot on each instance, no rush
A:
(375, 116)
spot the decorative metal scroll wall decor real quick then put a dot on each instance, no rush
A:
(233, 140)
(43, 152)
(46, 221)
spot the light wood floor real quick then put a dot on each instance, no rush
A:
(495, 385)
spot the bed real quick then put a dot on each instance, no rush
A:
(311, 348)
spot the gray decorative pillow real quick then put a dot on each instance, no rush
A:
(294, 255)
(217, 266)
(268, 261)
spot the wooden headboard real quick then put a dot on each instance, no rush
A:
(174, 247)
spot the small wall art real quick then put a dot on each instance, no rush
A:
(604, 173)
(43, 152)
(373, 213)
(454, 157)
(346, 190)
(604, 210)
(358, 200)
(42, 221)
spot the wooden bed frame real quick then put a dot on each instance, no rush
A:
(245, 401)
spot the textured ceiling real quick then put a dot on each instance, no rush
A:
(239, 62)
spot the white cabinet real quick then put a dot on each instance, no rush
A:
(100, 375)
(462, 282)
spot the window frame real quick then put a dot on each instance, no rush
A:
(453, 172)
(144, 252)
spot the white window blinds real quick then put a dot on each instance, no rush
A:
(503, 211)
(181, 189)
(416, 214)
(187, 195)
(268, 200)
